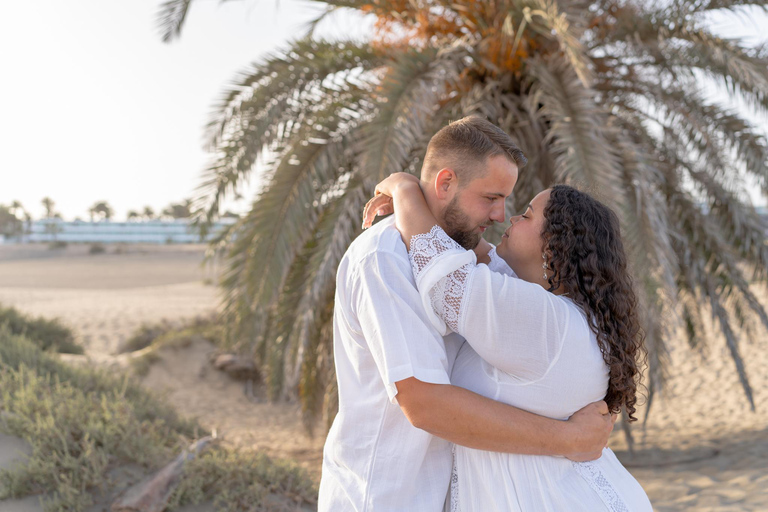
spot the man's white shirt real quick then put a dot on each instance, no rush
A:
(374, 460)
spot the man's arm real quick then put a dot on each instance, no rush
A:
(471, 420)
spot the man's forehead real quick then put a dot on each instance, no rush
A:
(499, 180)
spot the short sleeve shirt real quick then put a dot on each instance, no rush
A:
(374, 459)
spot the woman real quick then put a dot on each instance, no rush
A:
(557, 330)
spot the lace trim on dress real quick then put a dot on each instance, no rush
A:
(446, 295)
(455, 507)
(590, 471)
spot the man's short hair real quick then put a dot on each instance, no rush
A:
(465, 145)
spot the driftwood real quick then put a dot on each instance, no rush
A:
(237, 367)
(152, 493)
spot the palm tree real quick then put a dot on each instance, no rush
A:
(148, 213)
(48, 204)
(10, 224)
(181, 210)
(102, 210)
(17, 207)
(606, 94)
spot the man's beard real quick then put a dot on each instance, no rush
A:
(457, 225)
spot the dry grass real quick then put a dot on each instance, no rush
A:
(47, 334)
(82, 423)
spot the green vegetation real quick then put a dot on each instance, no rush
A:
(58, 244)
(145, 335)
(236, 481)
(47, 334)
(150, 337)
(97, 248)
(82, 422)
(10, 223)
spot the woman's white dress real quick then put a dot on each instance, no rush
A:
(531, 349)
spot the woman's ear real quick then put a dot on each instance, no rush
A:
(446, 184)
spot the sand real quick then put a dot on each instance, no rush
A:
(702, 448)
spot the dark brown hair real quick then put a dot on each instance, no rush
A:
(465, 145)
(587, 258)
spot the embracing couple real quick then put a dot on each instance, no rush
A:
(476, 378)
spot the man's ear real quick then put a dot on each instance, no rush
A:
(446, 184)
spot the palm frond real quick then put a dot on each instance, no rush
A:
(558, 24)
(271, 105)
(285, 76)
(332, 7)
(731, 340)
(708, 269)
(171, 18)
(275, 231)
(711, 5)
(577, 131)
(709, 127)
(647, 235)
(336, 232)
(742, 72)
(408, 98)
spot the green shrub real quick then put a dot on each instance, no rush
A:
(97, 248)
(83, 422)
(150, 337)
(145, 335)
(241, 481)
(165, 333)
(141, 364)
(79, 422)
(47, 334)
(58, 244)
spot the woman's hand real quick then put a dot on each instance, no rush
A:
(382, 204)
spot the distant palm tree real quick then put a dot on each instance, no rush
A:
(133, 214)
(148, 213)
(181, 210)
(17, 207)
(101, 210)
(10, 224)
(48, 204)
(17, 210)
(605, 94)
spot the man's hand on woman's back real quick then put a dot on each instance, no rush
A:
(591, 427)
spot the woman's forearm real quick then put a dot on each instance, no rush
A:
(412, 215)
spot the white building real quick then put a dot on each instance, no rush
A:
(153, 232)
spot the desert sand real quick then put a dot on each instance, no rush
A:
(702, 448)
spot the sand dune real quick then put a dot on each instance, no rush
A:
(702, 448)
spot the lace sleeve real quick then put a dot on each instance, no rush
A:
(437, 253)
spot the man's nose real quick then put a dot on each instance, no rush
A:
(497, 213)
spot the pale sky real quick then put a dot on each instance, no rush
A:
(93, 106)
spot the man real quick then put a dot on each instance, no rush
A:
(389, 446)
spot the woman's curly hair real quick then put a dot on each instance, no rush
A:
(587, 258)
